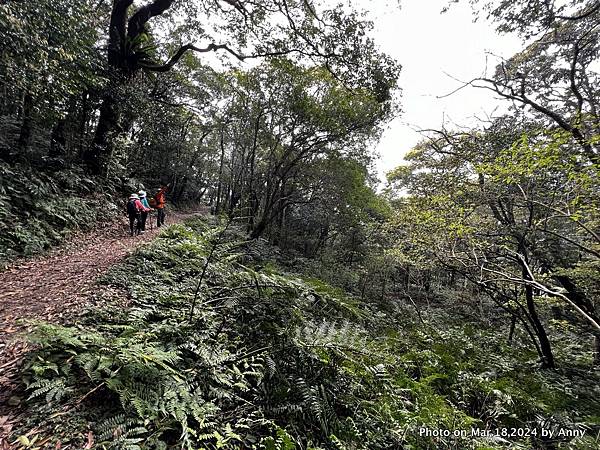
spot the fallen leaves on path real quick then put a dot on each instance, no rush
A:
(55, 288)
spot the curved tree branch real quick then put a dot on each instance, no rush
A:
(211, 48)
(560, 121)
(137, 22)
(583, 14)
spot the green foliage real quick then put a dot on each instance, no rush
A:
(272, 361)
(505, 208)
(39, 209)
(47, 48)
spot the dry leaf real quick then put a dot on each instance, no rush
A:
(90, 440)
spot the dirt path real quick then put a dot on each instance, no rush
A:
(56, 286)
(46, 287)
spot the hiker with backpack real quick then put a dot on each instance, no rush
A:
(134, 211)
(161, 200)
(144, 214)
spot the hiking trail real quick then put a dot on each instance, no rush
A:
(56, 287)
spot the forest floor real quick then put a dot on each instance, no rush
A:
(55, 287)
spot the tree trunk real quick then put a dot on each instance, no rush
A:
(323, 234)
(427, 280)
(267, 217)
(83, 122)
(279, 238)
(252, 197)
(545, 347)
(538, 327)
(597, 350)
(351, 259)
(220, 182)
(123, 66)
(97, 156)
(576, 295)
(272, 207)
(259, 229)
(182, 186)
(25, 132)
(511, 331)
(57, 140)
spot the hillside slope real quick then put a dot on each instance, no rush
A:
(221, 349)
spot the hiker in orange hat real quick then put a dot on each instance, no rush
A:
(161, 200)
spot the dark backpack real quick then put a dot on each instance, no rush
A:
(131, 208)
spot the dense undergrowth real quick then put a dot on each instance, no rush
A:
(219, 348)
(40, 208)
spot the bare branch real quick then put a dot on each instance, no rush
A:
(523, 98)
(214, 47)
(572, 75)
(593, 9)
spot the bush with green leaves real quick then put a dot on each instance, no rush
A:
(220, 349)
(38, 208)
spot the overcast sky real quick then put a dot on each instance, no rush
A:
(430, 45)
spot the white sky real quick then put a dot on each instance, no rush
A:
(427, 44)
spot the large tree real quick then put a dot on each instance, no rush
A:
(512, 209)
(300, 29)
(282, 120)
(554, 77)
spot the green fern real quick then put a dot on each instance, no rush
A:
(53, 390)
(267, 360)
